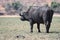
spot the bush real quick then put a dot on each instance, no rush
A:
(55, 4)
(16, 5)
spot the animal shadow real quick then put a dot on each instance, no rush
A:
(54, 32)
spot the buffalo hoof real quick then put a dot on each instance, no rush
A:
(39, 31)
(31, 31)
(47, 32)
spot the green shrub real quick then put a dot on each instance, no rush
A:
(55, 4)
(16, 5)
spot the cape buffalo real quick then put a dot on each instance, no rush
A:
(39, 15)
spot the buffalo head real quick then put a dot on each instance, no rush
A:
(24, 15)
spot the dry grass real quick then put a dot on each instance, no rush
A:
(12, 28)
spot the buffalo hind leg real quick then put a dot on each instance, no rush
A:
(38, 27)
(47, 27)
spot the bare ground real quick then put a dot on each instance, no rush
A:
(56, 15)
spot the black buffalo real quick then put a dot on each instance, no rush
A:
(39, 15)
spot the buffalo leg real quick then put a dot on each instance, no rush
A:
(31, 27)
(38, 27)
(47, 26)
(31, 24)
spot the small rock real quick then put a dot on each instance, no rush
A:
(17, 36)
(20, 36)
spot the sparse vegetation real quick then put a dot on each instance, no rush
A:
(13, 8)
(55, 6)
(11, 27)
(16, 5)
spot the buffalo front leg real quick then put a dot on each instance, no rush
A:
(38, 27)
(31, 24)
